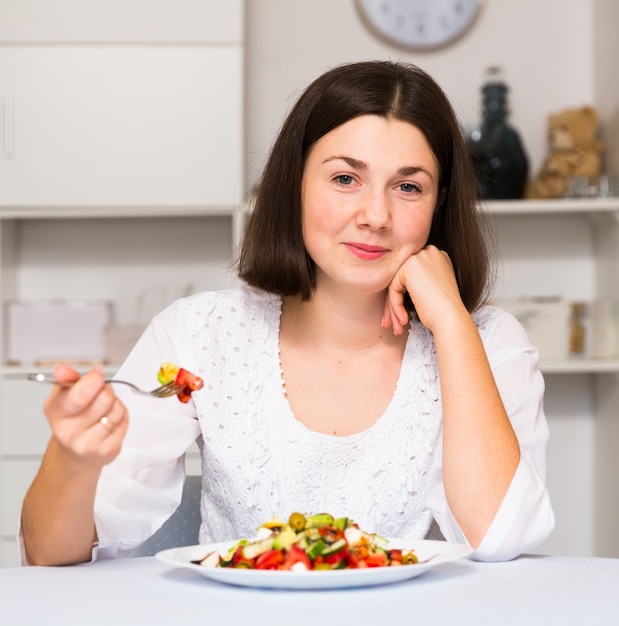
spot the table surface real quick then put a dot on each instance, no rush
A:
(529, 590)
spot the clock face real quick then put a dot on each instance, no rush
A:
(419, 24)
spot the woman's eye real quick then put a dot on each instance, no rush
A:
(344, 179)
(409, 188)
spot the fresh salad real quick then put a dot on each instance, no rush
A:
(185, 380)
(314, 542)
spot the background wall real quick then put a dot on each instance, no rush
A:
(546, 48)
(555, 54)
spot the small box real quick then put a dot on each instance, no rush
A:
(45, 332)
(547, 322)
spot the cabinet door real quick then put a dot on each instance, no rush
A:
(15, 479)
(120, 20)
(123, 125)
(24, 431)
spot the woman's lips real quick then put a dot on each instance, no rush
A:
(366, 252)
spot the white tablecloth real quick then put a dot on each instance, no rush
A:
(528, 591)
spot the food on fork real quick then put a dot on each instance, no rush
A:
(314, 542)
(184, 379)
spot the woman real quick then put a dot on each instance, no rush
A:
(355, 371)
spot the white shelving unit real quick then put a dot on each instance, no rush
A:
(591, 207)
(594, 223)
(121, 160)
(570, 248)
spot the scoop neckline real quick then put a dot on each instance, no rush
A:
(286, 413)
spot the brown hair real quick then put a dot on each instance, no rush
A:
(273, 256)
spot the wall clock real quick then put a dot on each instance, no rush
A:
(419, 24)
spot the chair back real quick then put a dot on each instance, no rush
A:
(182, 528)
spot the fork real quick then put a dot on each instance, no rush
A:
(165, 391)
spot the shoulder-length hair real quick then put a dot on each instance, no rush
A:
(272, 255)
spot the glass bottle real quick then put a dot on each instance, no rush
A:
(501, 164)
(577, 329)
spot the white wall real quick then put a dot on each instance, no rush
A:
(606, 83)
(546, 48)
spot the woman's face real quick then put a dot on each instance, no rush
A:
(369, 191)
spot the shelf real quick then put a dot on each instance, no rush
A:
(529, 207)
(495, 207)
(86, 212)
(580, 366)
(569, 366)
(19, 372)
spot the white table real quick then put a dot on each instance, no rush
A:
(528, 591)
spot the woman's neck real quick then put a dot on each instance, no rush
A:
(336, 322)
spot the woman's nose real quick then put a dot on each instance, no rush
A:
(375, 211)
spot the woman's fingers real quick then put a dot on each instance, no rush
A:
(65, 374)
(428, 277)
(87, 419)
(75, 399)
(102, 439)
(395, 313)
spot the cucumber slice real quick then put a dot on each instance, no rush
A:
(256, 549)
(334, 547)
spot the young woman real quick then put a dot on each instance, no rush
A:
(356, 370)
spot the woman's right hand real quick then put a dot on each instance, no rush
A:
(87, 420)
(58, 511)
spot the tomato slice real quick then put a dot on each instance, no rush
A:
(188, 382)
(271, 559)
(296, 555)
(331, 534)
(376, 560)
(184, 395)
(335, 558)
(186, 379)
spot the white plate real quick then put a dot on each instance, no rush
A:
(440, 551)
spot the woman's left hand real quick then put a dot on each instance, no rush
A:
(429, 278)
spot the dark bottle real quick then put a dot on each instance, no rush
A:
(501, 164)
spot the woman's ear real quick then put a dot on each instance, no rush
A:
(441, 198)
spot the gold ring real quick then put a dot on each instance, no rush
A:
(108, 423)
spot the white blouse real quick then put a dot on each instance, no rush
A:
(258, 461)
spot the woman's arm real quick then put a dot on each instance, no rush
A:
(57, 514)
(480, 449)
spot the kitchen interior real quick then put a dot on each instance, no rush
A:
(133, 131)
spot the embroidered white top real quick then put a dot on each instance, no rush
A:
(258, 461)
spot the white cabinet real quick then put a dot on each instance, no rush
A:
(161, 21)
(121, 172)
(121, 103)
(121, 125)
(23, 437)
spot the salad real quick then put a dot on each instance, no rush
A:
(314, 542)
(185, 380)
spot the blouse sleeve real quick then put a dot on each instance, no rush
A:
(525, 517)
(143, 486)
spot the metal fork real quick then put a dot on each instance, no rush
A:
(165, 391)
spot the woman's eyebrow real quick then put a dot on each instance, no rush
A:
(354, 163)
(412, 169)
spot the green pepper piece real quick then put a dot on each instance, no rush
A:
(320, 519)
(315, 549)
